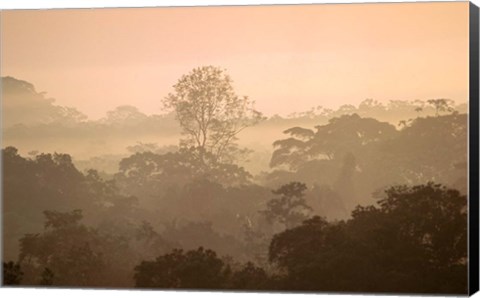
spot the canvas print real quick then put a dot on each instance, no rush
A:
(280, 148)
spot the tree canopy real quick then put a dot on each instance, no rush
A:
(349, 203)
(194, 269)
(414, 241)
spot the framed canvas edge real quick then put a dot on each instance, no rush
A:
(473, 212)
(473, 156)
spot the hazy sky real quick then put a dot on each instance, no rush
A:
(287, 58)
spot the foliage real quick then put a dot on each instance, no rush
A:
(72, 252)
(250, 277)
(148, 174)
(348, 133)
(356, 156)
(427, 150)
(55, 184)
(143, 169)
(290, 208)
(167, 201)
(415, 241)
(441, 105)
(210, 113)
(12, 273)
(180, 269)
(68, 253)
(47, 277)
(198, 269)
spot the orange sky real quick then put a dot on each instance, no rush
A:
(287, 58)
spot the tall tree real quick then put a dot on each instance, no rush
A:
(210, 113)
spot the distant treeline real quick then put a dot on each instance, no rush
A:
(33, 122)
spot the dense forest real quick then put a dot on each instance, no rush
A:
(213, 194)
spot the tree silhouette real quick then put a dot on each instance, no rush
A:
(47, 277)
(149, 175)
(210, 113)
(348, 133)
(441, 105)
(415, 241)
(12, 273)
(194, 269)
(68, 253)
(290, 208)
(249, 277)
(409, 156)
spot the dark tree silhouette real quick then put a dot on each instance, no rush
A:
(12, 273)
(250, 277)
(47, 277)
(194, 269)
(69, 253)
(52, 182)
(414, 241)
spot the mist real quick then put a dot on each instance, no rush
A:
(290, 148)
(136, 184)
